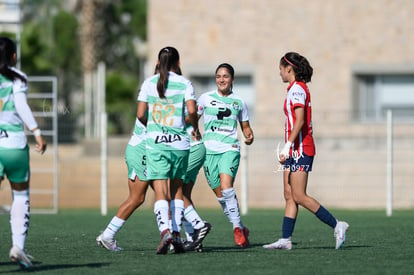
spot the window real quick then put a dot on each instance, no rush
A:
(376, 92)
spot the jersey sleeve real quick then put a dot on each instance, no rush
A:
(244, 114)
(298, 96)
(143, 92)
(19, 86)
(189, 92)
(200, 105)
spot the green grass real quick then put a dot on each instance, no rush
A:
(65, 244)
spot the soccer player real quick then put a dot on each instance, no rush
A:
(195, 228)
(162, 102)
(14, 150)
(222, 110)
(298, 152)
(135, 156)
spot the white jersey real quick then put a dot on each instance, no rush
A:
(11, 124)
(166, 129)
(138, 134)
(221, 115)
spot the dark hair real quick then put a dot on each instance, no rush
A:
(168, 59)
(7, 50)
(300, 65)
(228, 67)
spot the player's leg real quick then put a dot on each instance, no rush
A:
(289, 219)
(228, 167)
(18, 172)
(299, 180)
(137, 186)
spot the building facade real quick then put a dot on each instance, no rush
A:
(363, 61)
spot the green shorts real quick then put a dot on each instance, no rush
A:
(168, 164)
(15, 164)
(195, 161)
(224, 163)
(136, 161)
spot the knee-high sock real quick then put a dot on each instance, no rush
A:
(223, 205)
(287, 227)
(113, 227)
(177, 213)
(20, 217)
(161, 214)
(191, 215)
(189, 230)
(326, 217)
(232, 206)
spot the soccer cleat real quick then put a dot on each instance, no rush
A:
(166, 240)
(109, 244)
(340, 233)
(177, 243)
(240, 238)
(246, 233)
(18, 255)
(283, 244)
(200, 234)
(189, 246)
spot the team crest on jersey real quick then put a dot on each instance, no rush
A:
(236, 105)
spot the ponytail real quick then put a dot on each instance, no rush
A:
(168, 59)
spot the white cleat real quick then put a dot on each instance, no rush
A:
(19, 256)
(108, 244)
(340, 233)
(283, 244)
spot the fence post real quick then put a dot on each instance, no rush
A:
(389, 163)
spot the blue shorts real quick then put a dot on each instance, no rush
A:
(303, 163)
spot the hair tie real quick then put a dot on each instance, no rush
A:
(290, 63)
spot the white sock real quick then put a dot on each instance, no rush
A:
(223, 205)
(113, 227)
(20, 217)
(189, 230)
(191, 215)
(177, 213)
(161, 210)
(232, 206)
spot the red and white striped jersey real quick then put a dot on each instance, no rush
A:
(298, 96)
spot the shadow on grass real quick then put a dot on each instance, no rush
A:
(37, 266)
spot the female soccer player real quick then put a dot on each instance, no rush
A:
(135, 156)
(14, 151)
(222, 110)
(162, 102)
(298, 152)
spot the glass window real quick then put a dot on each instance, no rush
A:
(374, 94)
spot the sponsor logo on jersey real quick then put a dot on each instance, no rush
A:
(167, 138)
(3, 134)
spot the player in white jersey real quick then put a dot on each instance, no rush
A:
(298, 152)
(166, 96)
(14, 151)
(135, 157)
(222, 110)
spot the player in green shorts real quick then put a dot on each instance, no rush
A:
(222, 111)
(14, 151)
(162, 102)
(135, 157)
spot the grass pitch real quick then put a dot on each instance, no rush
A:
(65, 244)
